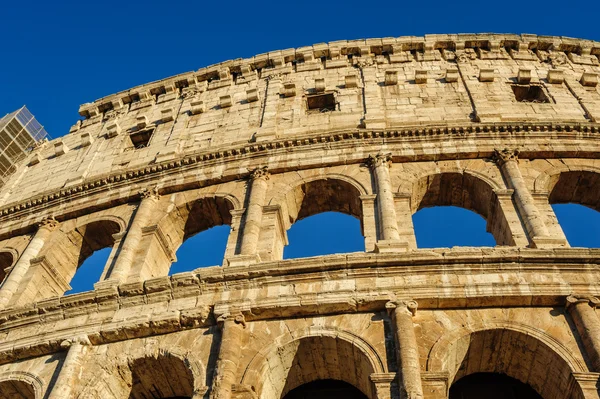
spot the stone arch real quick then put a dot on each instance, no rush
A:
(8, 257)
(120, 377)
(466, 189)
(189, 217)
(20, 385)
(280, 367)
(578, 185)
(514, 349)
(309, 196)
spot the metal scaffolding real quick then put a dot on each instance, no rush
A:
(19, 132)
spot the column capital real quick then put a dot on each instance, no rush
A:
(261, 172)
(575, 299)
(149, 193)
(374, 161)
(505, 155)
(408, 305)
(237, 318)
(49, 224)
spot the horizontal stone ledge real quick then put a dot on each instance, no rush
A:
(99, 185)
(142, 326)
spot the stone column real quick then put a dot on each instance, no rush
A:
(409, 367)
(70, 369)
(126, 255)
(14, 279)
(230, 351)
(386, 208)
(582, 310)
(530, 215)
(253, 218)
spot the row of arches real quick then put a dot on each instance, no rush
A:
(182, 217)
(500, 363)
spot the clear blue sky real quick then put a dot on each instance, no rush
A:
(58, 55)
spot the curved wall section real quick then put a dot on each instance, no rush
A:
(502, 125)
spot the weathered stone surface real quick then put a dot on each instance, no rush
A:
(503, 125)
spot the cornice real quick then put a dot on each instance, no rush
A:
(231, 153)
(206, 284)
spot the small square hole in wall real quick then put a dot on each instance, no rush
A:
(530, 94)
(141, 138)
(321, 102)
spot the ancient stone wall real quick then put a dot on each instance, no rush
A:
(502, 125)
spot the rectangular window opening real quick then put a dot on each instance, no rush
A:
(321, 102)
(530, 94)
(141, 138)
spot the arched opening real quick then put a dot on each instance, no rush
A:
(199, 223)
(580, 224)
(491, 386)
(15, 389)
(324, 234)
(161, 377)
(518, 355)
(6, 261)
(325, 389)
(328, 201)
(53, 271)
(465, 191)
(89, 272)
(341, 358)
(449, 226)
(576, 203)
(206, 248)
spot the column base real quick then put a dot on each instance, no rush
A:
(548, 242)
(385, 246)
(243, 260)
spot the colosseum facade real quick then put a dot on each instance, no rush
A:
(502, 125)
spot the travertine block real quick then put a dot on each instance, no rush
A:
(391, 78)
(86, 139)
(556, 76)
(251, 95)
(225, 101)
(452, 75)
(141, 121)
(320, 85)
(589, 79)
(351, 81)
(288, 89)
(197, 107)
(60, 148)
(421, 76)
(486, 75)
(524, 76)
(167, 115)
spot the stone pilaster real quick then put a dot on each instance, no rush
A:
(70, 369)
(537, 231)
(409, 367)
(230, 351)
(253, 218)
(14, 279)
(389, 237)
(141, 218)
(582, 310)
(383, 384)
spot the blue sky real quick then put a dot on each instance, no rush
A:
(58, 55)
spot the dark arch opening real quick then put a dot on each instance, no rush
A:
(465, 191)
(324, 234)
(161, 378)
(325, 389)
(449, 226)
(6, 261)
(491, 386)
(16, 389)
